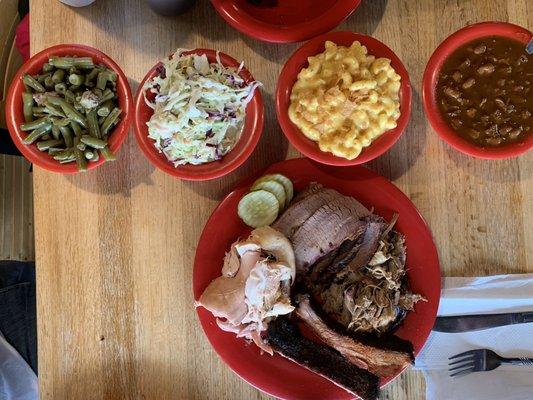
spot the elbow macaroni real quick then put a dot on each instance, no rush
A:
(345, 99)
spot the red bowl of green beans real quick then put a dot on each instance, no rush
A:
(68, 108)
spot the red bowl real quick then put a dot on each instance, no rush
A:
(288, 77)
(15, 116)
(253, 127)
(430, 79)
(287, 21)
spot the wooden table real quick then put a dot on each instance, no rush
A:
(115, 247)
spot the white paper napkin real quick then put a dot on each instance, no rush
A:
(493, 294)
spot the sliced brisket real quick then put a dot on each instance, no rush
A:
(311, 200)
(285, 338)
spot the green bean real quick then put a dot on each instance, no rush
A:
(74, 89)
(54, 150)
(73, 70)
(92, 124)
(60, 121)
(95, 143)
(64, 155)
(48, 83)
(46, 136)
(33, 83)
(76, 128)
(106, 96)
(52, 110)
(42, 77)
(67, 135)
(38, 110)
(108, 154)
(47, 67)
(104, 109)
(45, 145)
(60, 88)
(110, 120)
(81, 146)
(38, 123)
(104, 77)
(56, 133)
(80, 160)
(89, 154)
(89, 78)
(76, 79)
(70, 97)
(27, 102)
(69, 62)
(98, 92)
(69, 111)
(58, 76)
(37, 133)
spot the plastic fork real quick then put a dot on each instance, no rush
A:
(481, 360)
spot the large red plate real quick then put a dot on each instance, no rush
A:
(274, 374)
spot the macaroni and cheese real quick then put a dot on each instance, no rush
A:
(345, 99)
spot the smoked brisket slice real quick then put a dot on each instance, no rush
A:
(285, 338)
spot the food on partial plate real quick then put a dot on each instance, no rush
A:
(351, 290)
(255, 285)
(70, 109)
(268, 196)
(345, 99)
(199, 108)
(484, 91)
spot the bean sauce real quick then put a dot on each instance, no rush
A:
(484, 91)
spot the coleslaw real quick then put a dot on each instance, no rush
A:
(199, 108)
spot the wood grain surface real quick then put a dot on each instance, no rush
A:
(115, 247)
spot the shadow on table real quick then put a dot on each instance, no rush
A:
(507, 170)
(130, 170)
(403, 155)
(272, 148)
(366, 17)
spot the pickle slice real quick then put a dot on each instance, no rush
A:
(282, 179)
(273, 187)
(259, 208)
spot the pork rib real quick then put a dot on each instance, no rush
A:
(380, 362)
(285, 338)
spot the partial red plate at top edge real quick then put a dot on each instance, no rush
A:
(276, 375)
(284, 21)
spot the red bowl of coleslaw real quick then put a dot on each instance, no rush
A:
(159, 155)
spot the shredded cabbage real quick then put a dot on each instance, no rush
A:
(199, 108)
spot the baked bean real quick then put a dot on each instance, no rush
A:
(486, 69)
(494, 141)
(469, 83)
(480, 49)
(471, 112)
(452, 93)
(513, 134)
(457, 76)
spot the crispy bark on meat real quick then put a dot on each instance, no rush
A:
(285, 338)
(379, 361)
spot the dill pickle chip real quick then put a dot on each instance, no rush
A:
(282, 179)
(273, 187)
(259, 208)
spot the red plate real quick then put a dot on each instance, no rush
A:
(285, 21)
(273, 374)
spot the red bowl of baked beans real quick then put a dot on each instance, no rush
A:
(477, 90)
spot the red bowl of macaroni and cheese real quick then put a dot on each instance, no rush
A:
(343, 98)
